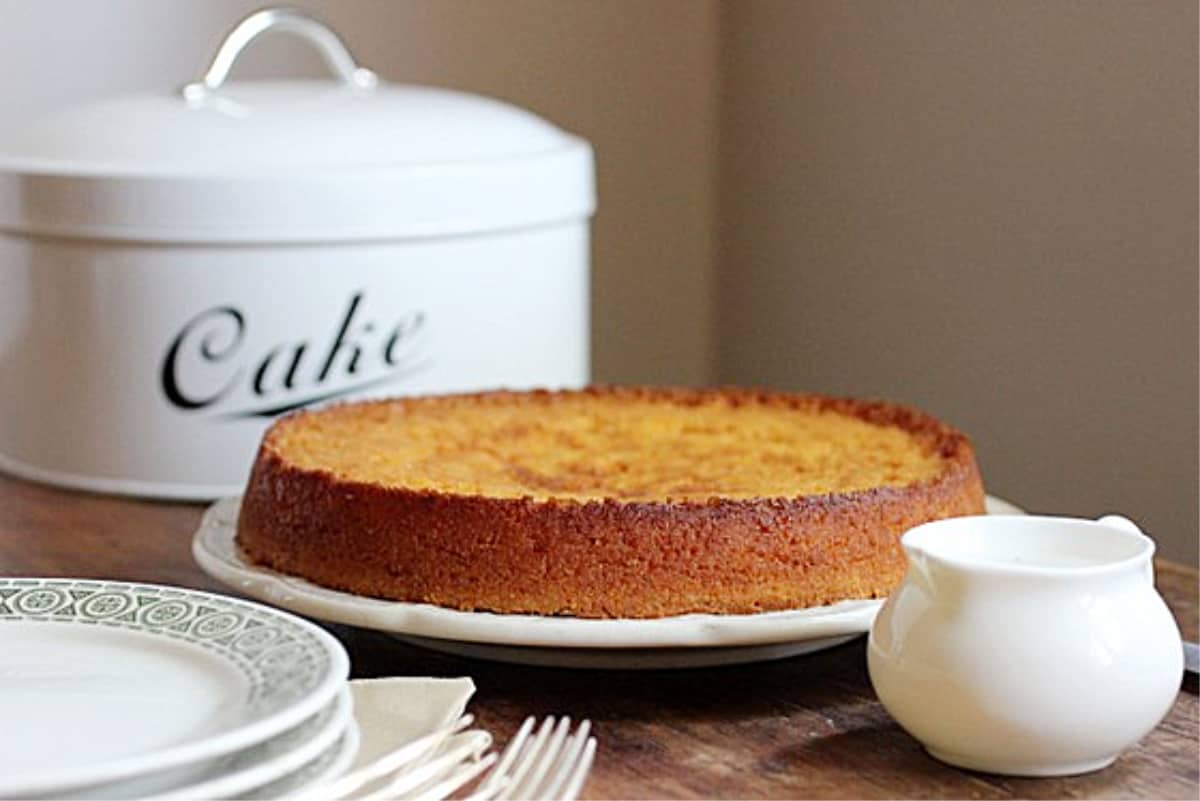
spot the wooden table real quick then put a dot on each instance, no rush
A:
(806, 727)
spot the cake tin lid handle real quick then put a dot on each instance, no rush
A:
(287, 20)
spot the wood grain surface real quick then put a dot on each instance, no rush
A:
(805, 727)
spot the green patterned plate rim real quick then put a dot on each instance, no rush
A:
(290, 668)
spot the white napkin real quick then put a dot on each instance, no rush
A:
(394, 711)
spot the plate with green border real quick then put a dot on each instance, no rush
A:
(103, 681)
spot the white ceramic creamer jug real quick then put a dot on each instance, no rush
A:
(1030, 646)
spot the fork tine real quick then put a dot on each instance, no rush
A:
(552, 763)
(497, 779)
(571, 754)
(528, 757)
(581, 771)
(528, 788)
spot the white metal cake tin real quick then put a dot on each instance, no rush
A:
(179, 267)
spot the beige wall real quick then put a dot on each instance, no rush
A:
(985, 209)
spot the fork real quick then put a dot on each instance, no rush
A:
(414, 767)
(551, 765)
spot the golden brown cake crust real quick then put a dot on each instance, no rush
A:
(602, 558)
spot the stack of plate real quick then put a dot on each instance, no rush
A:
(116, 690)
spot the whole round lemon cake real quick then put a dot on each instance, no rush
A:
(604, 502)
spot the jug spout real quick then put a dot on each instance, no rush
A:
(920, 567)
(1122, 523)
(1129, 527)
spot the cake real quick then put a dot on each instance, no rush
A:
(604, 502)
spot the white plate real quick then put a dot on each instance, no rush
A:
(683, 640)
(272, 760)
(104, 681)
(325, 768)
(629, 658)
(242, 770)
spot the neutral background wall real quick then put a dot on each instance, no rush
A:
(986, 209)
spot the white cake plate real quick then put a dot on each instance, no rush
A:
(696, 640)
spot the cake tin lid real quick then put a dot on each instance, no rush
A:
(296, 160)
